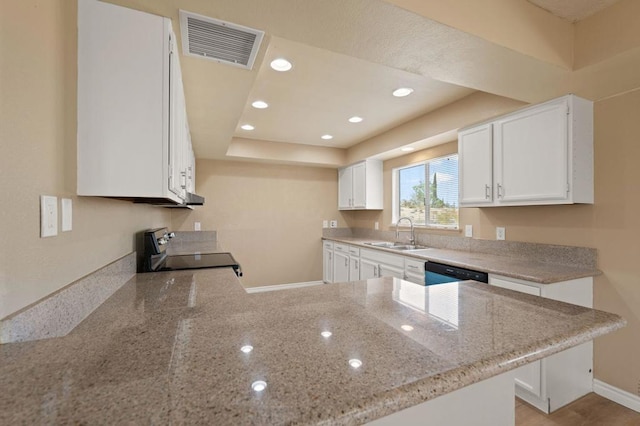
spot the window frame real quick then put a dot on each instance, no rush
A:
(395, 193)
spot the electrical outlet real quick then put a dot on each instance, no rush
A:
(48, 216)
(500, 233)
(334, 223)
(376, 226)
(468, 231)
(196, 226)
(66, 209)
(325, 223)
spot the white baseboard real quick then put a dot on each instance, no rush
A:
(264, 288)
(625, 398)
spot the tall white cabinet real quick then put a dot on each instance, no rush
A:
(542, 154)
(133, 133)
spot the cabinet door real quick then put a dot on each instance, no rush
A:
(345, 188)
(354, 268)
(177, 119)
(475, 160)
(531, 163)
(359, 185)
(327, 265)
(340, 267)
(390, 271)
(368, 269)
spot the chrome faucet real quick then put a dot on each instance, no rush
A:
(412, 241)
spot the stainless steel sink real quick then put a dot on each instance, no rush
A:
(396, 246)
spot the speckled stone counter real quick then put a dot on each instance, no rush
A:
(522, 268)
(166, 348)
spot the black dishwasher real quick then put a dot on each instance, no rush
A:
(439, 273)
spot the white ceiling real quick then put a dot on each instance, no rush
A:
(348, 55)
(324, 89)
(573, 10)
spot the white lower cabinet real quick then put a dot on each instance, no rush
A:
(376, 264)
(368, 269)
(340, 263)
(327, 261)
(555, 381)
(414, 270)
(354, 263)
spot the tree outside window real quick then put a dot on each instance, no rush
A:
(432, 205)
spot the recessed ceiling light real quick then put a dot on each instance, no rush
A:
(247, 127)
(326, 137)
(281, 64)
(407, 149)
(355, 363)
(260, 104)
(402, 92)
(355, 119)
(259, 386)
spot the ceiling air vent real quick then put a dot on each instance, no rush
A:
(219, 41)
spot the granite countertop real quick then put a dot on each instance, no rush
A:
(515, 267)
(166, 348)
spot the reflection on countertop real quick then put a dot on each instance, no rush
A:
(194, 347)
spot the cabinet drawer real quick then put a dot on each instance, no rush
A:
(341, 247)
(415, 278)
(511, 285)
(354, 251)
(414, 266)
(328, 245)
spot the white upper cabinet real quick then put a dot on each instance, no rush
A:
(132, 124)
(360, 186)
(475, 165)
(542, 154)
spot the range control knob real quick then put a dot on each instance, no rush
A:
(162, 241)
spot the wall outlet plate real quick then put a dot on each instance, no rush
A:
(468, 231)
(48, 216)
(500, 233)
(376, 226)
(334, 223)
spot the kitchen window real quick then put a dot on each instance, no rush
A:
(427, 193)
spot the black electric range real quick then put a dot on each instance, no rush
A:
(156, 241)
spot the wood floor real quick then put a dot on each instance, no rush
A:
(590, 410)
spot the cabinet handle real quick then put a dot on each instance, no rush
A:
(487, 192)
(375, 271)
(356, 264)
(346, 262)
(500, 194)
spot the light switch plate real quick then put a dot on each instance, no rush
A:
(66, 209)
(500, 233)
(468, 231)
(334, 223)
(325, 223)
(376, 226)
(196, 226)
(48, 216)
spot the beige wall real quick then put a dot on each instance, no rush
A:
(38, 140)
(610, 225)
(269, 216)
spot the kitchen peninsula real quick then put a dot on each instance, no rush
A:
(195, 347)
